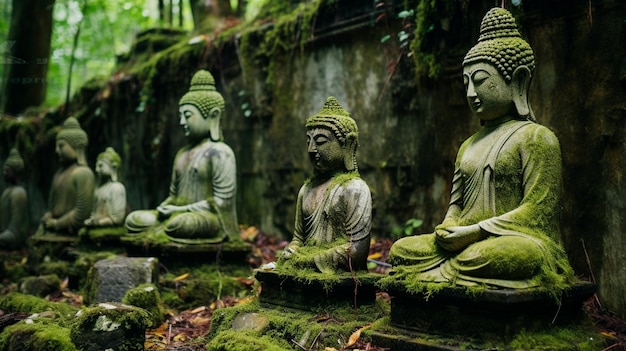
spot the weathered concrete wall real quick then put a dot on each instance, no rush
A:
(410, 129)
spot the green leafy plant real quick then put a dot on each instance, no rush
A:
(409, 228)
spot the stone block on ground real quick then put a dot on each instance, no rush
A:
(110, 279)
(110, 326)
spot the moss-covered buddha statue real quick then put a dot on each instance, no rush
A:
(109, 203)
(502, 226)
(200, 208)
(13, 204)
(334, 207)
(71, 193)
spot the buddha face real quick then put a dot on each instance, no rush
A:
(8, 174)
(65, 151)
(488, 95)
(325, 151)
(196, 127)
(104, 168)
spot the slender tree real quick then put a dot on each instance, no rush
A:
(27, 53)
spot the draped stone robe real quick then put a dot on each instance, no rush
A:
(507, 180)
(336, 218)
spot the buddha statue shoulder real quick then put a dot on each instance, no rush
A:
(72, 189)
(109, 203)
(502, 226)
(334, 207)
(201, 206)
(14, 216)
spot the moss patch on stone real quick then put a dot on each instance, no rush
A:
(147, 296)
(330, 326)
(36, 337)
(18, 302)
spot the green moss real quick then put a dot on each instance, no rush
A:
(102, 233)
(203, 284)
(232, 340)
(581, 337)
(425, 46)
(17, 302)
(128, 317)
(328, 326)
(147, 297)
(59, 268)
(36, 337)
(572, 338)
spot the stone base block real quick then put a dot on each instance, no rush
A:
(290, 291)
(453, 311)
(232, 252)
(110, 279)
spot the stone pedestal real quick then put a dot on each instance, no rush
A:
(110, 279)
(171, 252)
(456, 314)
(51, 247)
(312, 293)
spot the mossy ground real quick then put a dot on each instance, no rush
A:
(331, 326)
(581, 337)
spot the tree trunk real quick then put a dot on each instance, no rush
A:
(206, 13)
(27, 55)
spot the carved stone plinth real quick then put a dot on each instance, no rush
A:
(228, 251)
(51, 248)
(441, 320)
(454, 311)
(311, 293)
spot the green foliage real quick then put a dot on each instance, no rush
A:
(426, 43)
(408, 229)
(106, 29)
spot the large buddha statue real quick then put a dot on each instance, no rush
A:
(200, 207)
(71, 193)
(13, 204)
(502, 226)
(109, 203)
(334, 207)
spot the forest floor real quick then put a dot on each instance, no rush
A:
(187, 330)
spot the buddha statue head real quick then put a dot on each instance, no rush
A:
(71, 142)
(13, 166)
(201, 109)
(500, 51)
(108, 164)
(333, 123)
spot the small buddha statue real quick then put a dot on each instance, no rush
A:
(200, 207)
(13, 204)
(71, 193)
(334, 207)
(502, 226)
(109, 202)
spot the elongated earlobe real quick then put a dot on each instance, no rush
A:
(350, 147)
(214, 123)
(521, 84)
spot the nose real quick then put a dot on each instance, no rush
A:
(312, 148)
(470, 92)
(183, 120)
